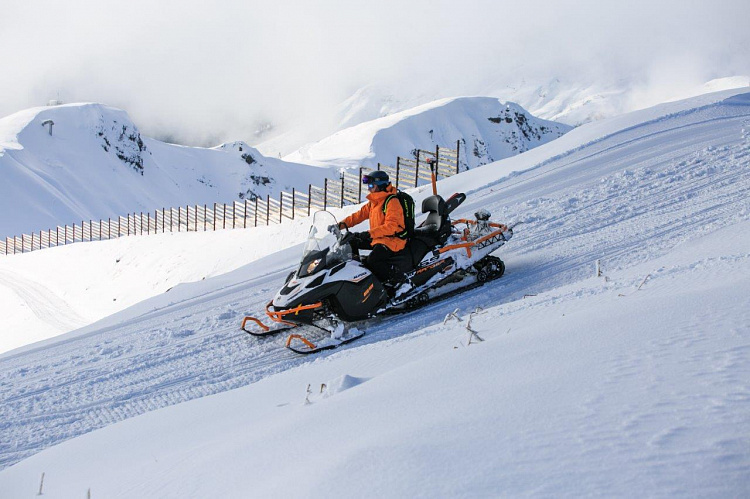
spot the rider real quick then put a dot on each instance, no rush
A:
(385, 226)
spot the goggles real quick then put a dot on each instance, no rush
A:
(372, 182)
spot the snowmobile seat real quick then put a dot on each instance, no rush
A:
(434, 206)
(431, 233)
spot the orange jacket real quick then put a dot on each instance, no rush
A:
(383, 226)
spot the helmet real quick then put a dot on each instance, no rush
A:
(379, 178)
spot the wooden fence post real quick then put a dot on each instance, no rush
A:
(437, 161)
(224, 217)
(268, 209)
(416, 170)
(281, 205)
(398, 169)
(325, 193)
(343, 185)
(244, 216)
(256, 211)
(359, 192)
(458, 145)
(309, 198)
(294, 202)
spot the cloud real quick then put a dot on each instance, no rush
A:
(204, 72)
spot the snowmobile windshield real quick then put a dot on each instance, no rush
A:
(323, 248)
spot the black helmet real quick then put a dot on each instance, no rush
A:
(379, 178)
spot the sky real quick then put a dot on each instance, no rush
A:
(200, 73)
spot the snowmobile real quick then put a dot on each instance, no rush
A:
(332, 292)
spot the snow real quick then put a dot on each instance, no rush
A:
(42, 298)
(636, 382)
(479, 121)
(572, 101)
(96, 165)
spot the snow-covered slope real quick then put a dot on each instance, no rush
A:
(490, 130)
(96, 165)
(633, 384)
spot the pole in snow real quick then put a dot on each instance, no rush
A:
(50, 123)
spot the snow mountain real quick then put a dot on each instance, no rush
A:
(70, 163)
(572, 102)
(489, 130)
(64, 164)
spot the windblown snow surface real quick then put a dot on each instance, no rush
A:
(636, 382)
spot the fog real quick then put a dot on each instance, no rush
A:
(203, 72)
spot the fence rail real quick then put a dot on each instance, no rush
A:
(335, 193)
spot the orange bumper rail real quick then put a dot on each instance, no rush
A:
(278, 316)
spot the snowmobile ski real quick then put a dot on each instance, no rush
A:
(264, 330)
(301, 344)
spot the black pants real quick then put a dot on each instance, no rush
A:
(382, 261)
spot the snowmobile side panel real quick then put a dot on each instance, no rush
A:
(425, 272)
(357, 300)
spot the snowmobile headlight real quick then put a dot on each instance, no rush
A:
(312, 266)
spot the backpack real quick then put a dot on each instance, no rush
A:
(407, 205)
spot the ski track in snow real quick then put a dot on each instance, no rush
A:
(43, 303)
(576, 209)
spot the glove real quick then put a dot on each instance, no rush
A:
(333, 229)
(342, 226)
(364, 238)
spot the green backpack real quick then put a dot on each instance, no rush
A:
(407, 205)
